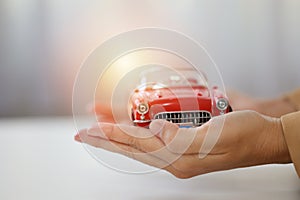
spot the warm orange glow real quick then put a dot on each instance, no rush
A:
(126, 65)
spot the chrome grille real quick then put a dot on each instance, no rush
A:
(191, 118)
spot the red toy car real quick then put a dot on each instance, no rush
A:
(182, 98)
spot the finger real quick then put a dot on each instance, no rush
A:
(101, 109)
(105, 118)
(137, 137)
(127, 151)
(178, 140)
(77, 138)
(185, 167)
(117, 114)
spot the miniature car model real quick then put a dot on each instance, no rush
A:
(183, 99)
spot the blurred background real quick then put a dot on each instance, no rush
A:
(255, 43)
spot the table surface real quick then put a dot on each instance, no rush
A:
(40, 160)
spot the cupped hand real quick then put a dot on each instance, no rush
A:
(104, 112)
(246, 138)
(272, 107)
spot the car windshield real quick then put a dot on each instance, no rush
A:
(165, 77)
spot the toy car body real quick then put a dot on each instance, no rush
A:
(189, 103)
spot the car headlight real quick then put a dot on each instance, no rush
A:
(222, 104)
(143, 108)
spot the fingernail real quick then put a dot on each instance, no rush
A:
(77, 138)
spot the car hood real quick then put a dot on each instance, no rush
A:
(170, 93)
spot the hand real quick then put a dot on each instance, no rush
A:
(247, 139)
(104, 113)
(271, 107)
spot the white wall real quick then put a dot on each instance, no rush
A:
(255, 43)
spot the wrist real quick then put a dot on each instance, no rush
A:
(281, 151)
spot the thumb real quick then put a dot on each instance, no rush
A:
(165, 130)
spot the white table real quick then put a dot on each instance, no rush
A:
(40, 160)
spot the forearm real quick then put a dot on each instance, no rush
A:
(276, 107)
(280, 106)
(293, 98)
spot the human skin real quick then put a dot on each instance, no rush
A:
(275, 107)
(247, 138)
